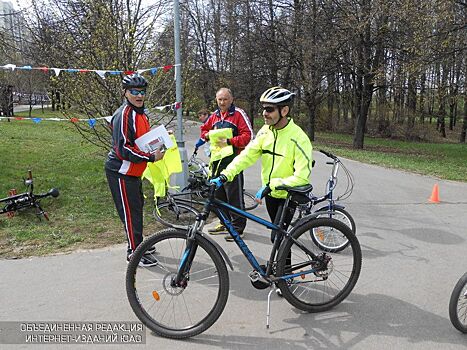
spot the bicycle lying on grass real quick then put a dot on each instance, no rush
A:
(180, 209)
(28, 199)
(458, 305)
(330, 240)
(186, 292)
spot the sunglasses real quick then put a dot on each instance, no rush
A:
(137, 92)
(269, 109)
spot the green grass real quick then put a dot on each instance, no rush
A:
(83, 216)
(444, 160)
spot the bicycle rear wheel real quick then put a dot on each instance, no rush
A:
(177, 312)
(250, 202)
(458, 305)
(175, 214)
(334, 276)
(329, 239)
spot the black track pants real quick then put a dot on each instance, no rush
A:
(128, 197)
(274, 207)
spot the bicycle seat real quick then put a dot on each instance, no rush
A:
(298, 194)
(298, 189)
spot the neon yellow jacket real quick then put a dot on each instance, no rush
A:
(286, 157)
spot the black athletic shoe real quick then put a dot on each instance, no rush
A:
(147, 260)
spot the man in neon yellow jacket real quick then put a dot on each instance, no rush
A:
(285, 151)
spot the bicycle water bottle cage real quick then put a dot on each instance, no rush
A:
(299, 194)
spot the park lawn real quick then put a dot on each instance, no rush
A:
(83, 216)
(444, 160)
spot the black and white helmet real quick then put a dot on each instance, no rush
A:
(277, 96)
(134, 81)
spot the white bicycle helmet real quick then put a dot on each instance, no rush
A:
(277, 96)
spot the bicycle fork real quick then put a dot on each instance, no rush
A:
(180, 280)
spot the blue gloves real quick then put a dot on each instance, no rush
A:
(218, 181)
(200, 143)
(262, 192)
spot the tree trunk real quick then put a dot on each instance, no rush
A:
(464, 124)
(311, 105)
(422, 97)
(411, 104)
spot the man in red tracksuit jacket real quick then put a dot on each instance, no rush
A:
(126, 163)
(229, 116)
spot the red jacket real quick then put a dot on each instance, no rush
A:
(125, 157)
(236, 119)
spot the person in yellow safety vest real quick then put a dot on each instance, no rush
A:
(285, 151)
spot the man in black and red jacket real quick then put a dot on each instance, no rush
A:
(126, 163)
(229, 116)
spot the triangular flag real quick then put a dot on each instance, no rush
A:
(129, 72)
(141, 71)
(9, 66)
(108, 118)
(25, 67)
(71, 70)
(153, 70)
(57, 71)
(44, 69)
(167, 68)
(19, 118)
(101, 73)
(178, 105)
(36, 120)
(74, 120)
(92, 122)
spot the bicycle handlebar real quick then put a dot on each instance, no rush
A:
(330, 155)
(52, 192)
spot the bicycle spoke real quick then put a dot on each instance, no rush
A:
(334, 274)
(172, 308)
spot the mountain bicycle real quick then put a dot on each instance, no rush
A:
(180, 209)
(330, 240)
(186, 292)
(458, 305)
(16, 202)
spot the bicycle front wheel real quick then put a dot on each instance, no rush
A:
(175, 214)
(170, 311)
(458, 305)
(329, 239)
(333, 275)
(250, 202)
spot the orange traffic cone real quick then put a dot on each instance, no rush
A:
(434, 194)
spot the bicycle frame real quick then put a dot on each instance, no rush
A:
(219, 207)
(329, 191)
(26, 200)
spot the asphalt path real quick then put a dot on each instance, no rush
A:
(413, 254)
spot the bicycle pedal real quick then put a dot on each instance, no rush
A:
(257, 280)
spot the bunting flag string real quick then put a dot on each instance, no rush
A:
(91, 121)
(100, 72)
(172, 106)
